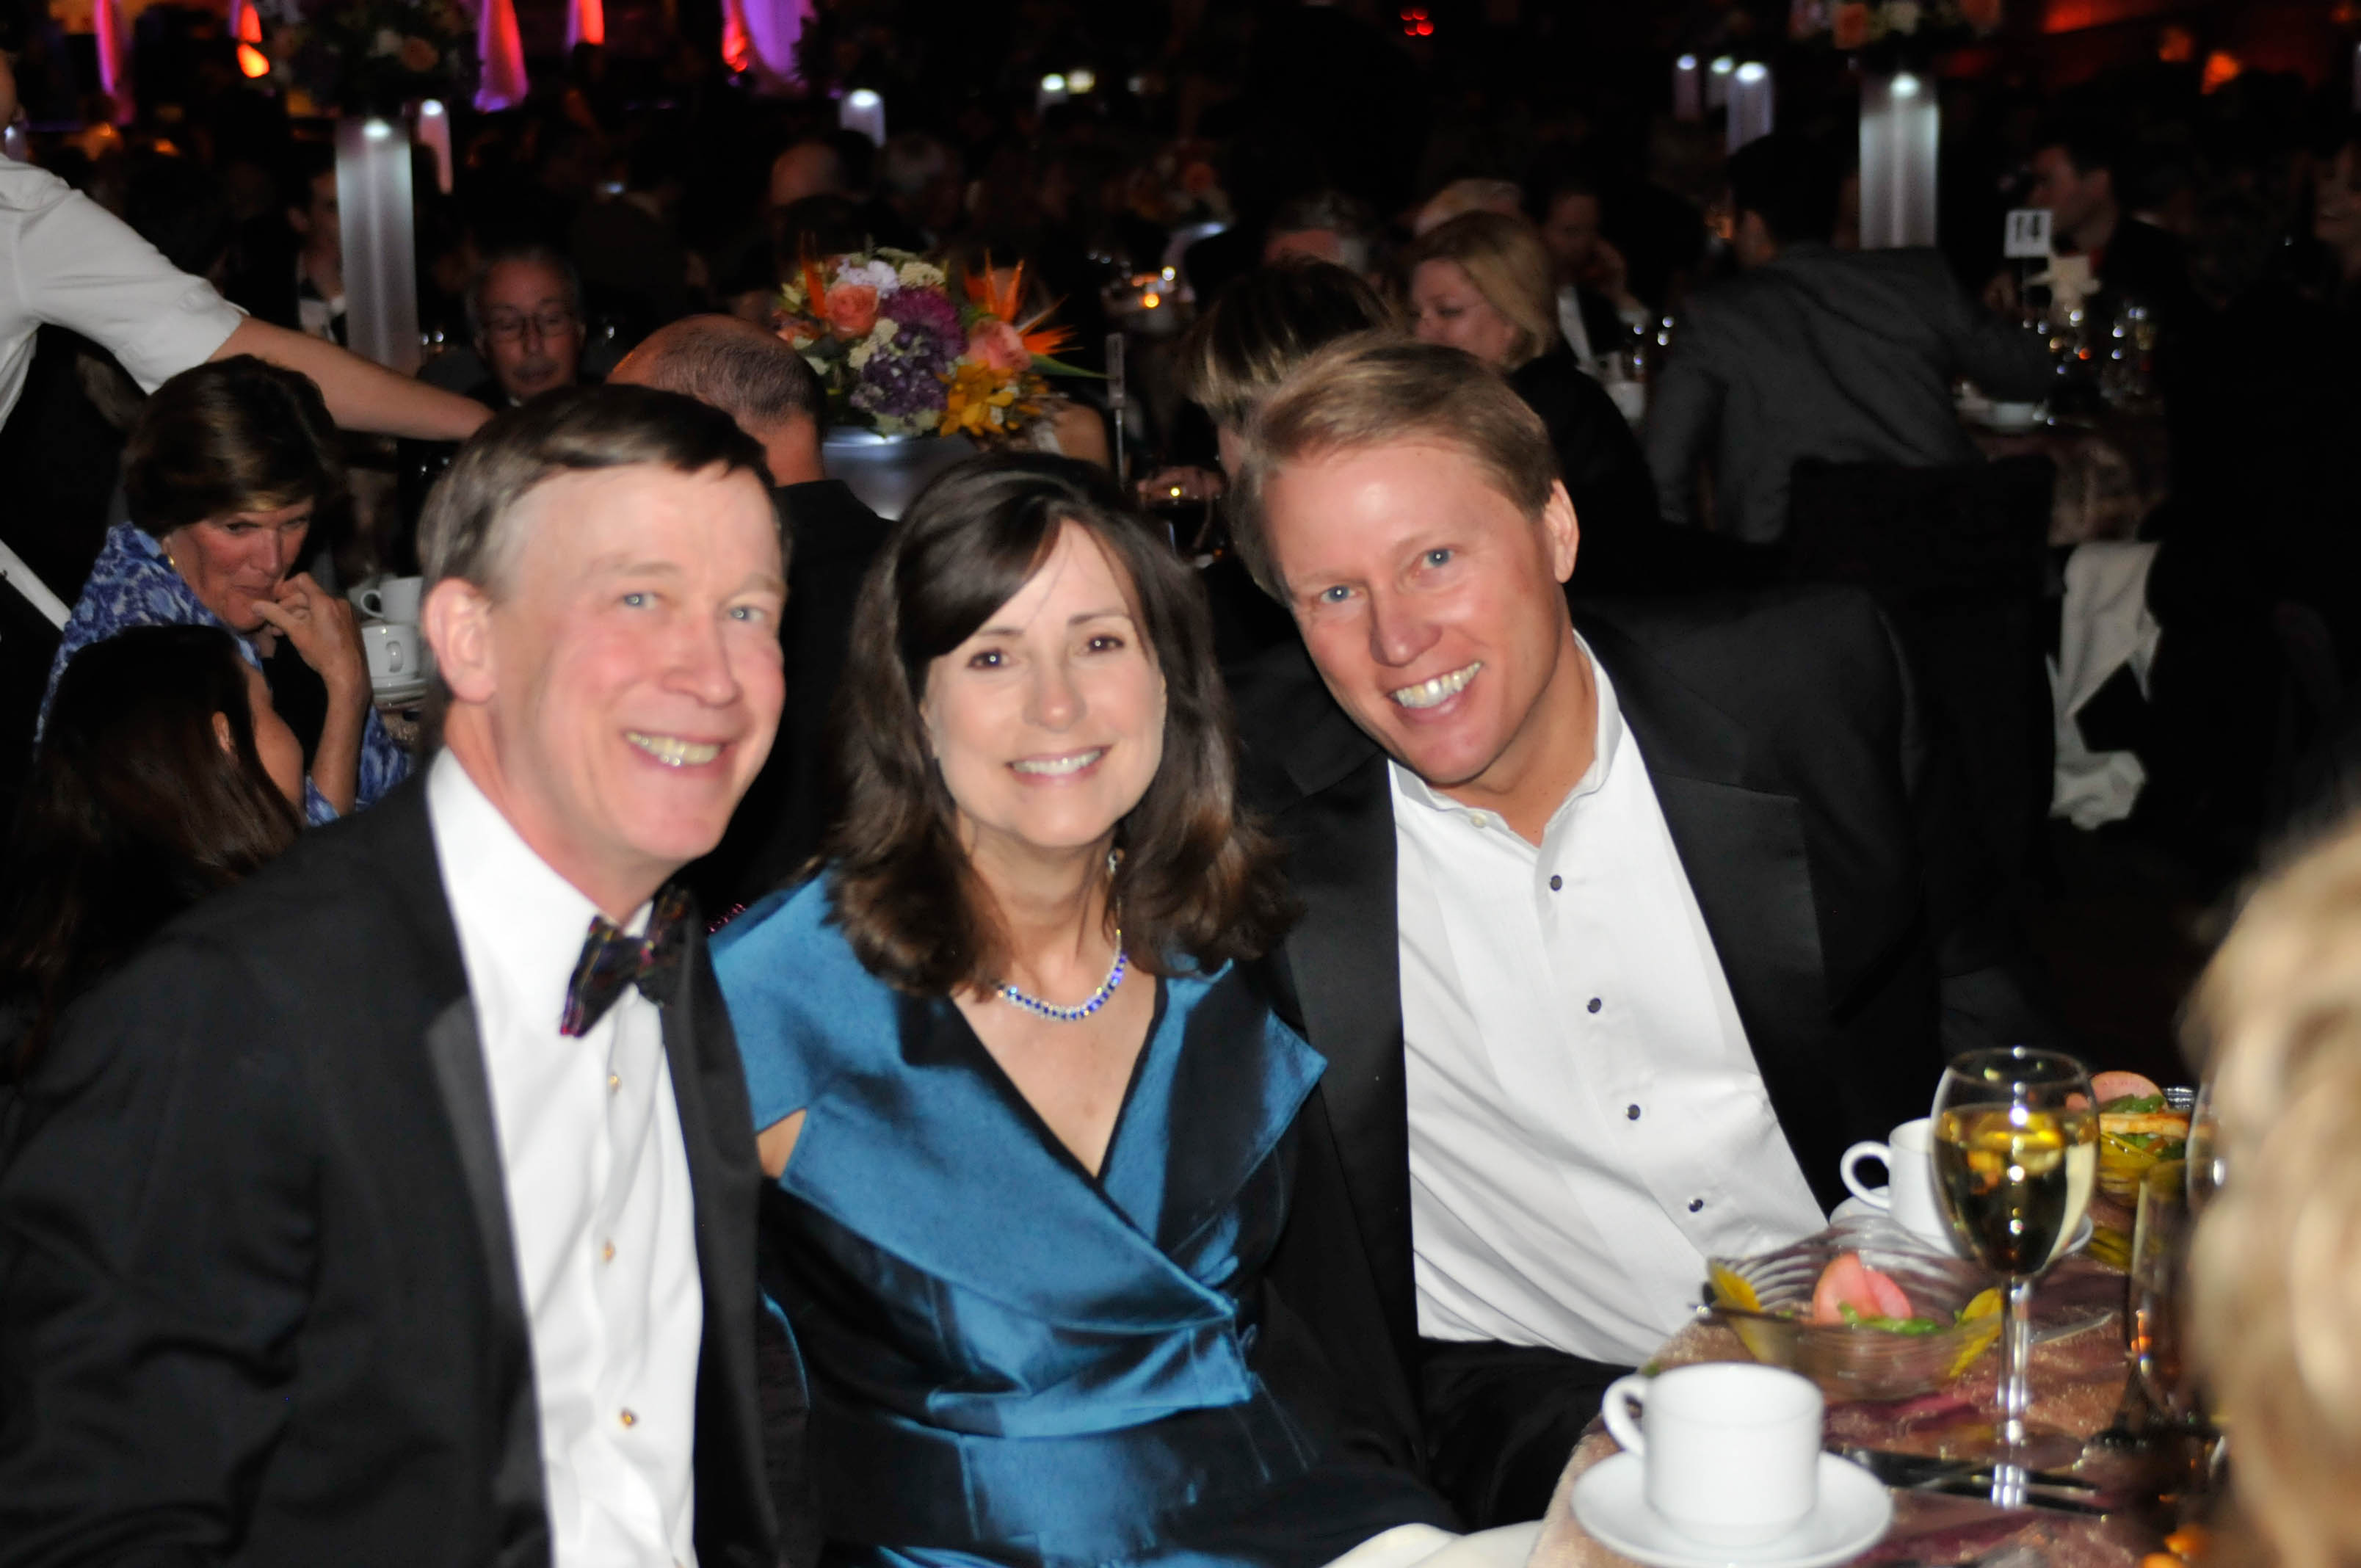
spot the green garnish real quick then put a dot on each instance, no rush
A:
(1858, 1319)
(2132, 1105)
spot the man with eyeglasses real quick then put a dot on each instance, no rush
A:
(527, 313)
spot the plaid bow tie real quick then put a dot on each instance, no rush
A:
(613, 960)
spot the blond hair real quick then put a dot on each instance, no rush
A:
(1505, 260)
(1377, 390)
(2275, 1269)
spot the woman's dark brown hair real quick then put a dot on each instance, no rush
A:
(1198, 882)
(233, 436)
(134, 811)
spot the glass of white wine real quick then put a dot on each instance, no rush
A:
(2017, 1147)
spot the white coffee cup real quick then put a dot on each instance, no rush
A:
(1729, 1451)
(398, 655)
(392, 599)
(1908, 1195)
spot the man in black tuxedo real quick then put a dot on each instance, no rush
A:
(1618, 929)
(398, 1206)
(766, 385)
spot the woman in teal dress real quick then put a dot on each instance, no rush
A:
(1027, 1108)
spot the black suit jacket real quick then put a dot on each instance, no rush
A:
(258, 1302)
(1858, 924)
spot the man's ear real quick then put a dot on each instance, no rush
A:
(223, 736)
(456, 620)
(1562, 531)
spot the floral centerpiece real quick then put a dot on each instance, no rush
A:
(899, 355)
(1894, 27)
(371, 56)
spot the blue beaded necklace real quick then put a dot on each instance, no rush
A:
(1081, 1010)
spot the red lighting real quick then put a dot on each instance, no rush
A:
(1416, 24)
(252, 62)
(2221, 67)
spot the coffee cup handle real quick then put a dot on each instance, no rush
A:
(1616, 1407)
(1875, 1197)
(373, 603)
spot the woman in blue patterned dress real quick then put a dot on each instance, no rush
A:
(224, 472)
(1029, 1113)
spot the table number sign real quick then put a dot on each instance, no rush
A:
(2027, 233)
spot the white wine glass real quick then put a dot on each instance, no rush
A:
(2016, 1149)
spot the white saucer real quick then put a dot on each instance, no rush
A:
(1854, 1512)
(406, 696)
(1855, 1209)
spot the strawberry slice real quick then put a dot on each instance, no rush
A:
(1848, 1282)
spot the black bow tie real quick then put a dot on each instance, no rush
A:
(613, 960)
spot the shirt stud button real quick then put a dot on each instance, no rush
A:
(614, 1082)
(607, 1252)
(1557, 884)
(1596, 1004)
(629, 1419)
(1696, 1204)
(1631, 1113)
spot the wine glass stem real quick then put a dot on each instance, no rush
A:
(2016, 1364)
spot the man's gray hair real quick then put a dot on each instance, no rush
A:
(749, 374)
(539, 256)
(469, 530)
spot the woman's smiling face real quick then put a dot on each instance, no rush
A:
(1047, 723)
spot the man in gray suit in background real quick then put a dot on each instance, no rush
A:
(1814, 351)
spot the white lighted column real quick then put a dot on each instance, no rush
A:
(373, 202)
(1688, 89)
(863, 110)
(1750, 104)
(432, 131)
(1900, 127)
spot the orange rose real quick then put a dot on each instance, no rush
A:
(418, 55)
(1848, 26)
(852, 309)
(998, 346)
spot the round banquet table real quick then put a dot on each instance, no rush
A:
(2114, 469)
(2078, 1382)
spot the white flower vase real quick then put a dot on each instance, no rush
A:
(888, 471)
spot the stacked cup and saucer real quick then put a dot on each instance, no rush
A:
(1723, 1469)
(1908, 1201)
(401, 666)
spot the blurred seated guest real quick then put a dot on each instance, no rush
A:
(1464, 196)
(2078, 163)
(224, 474)
(918, 181)
(66, 261)
(1814, 352)
(164, 775)
(1327, 226)
(1596, 307)
(1482, 282)
(313, 213)
(2277, 1020)
(1619, 926)
(1022, 985)
(1267, 322)
(815, 228)
(812, 167)
(626, 249)
(525, 314)
(755, 379)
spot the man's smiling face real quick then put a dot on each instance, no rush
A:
(1431, 602)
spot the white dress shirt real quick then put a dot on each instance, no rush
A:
(67, 260)
(1587, 1122)
(598, 1197)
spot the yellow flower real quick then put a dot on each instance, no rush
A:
(980, 400)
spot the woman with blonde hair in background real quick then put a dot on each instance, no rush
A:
(2276, 1267)
(1482, 282)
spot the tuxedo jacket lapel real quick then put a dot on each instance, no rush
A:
(456, 1055)
(1741, 844)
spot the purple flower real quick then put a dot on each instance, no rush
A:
(904, 377)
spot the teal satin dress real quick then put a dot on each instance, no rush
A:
(1012, 1361)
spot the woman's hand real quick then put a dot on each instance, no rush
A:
(319, 624)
